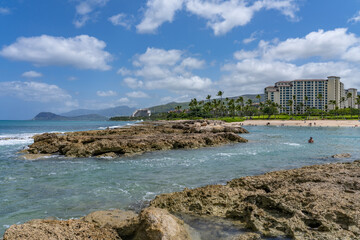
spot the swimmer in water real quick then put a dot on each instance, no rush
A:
(311, 140)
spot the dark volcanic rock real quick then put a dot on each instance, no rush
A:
(316, 202)
(137, 139)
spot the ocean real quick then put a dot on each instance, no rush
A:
(70, 188)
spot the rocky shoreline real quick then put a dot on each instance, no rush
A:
(136, 139)
(314, 202)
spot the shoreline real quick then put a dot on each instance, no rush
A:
(303, 123)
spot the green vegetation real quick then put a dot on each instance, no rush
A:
(238, 109)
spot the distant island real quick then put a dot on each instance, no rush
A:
(48, 116)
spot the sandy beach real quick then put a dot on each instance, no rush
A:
(303, 123)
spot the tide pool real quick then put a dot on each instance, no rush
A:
(70, 188)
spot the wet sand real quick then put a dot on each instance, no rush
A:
(304, 123)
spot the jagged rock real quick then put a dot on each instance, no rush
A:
(316, 202)
(150, 136)
(159, 224)
(124, 222)
(342, 155)
(60, 230)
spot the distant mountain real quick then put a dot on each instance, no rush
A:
(185, 105)
(48, 116)
(108, 112)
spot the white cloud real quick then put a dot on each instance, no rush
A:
(4, 11)
(337, 49)
(124, 71)
(355, 18)
(123, 100)
(109, 93)
(324, 44)
(84, 10)
(223, 16)
(82, 51)
(167, 69)
(32, 74)
(120, 19)
(252, 37)
(72, 78)
(137, 94)
(133, 83)
(158, 12)
(240, 55)
(36, 92)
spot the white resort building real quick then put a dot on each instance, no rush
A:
(323, 94)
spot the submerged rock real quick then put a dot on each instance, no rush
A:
(316, 202)
(146, 137)
(342, 155)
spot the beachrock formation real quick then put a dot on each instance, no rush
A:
(60, 230)
(316, 202)
(150, 224)
(342, 155)
(137, 139)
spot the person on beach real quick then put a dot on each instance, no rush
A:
(311, 140)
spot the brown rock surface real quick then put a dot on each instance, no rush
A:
(315, 202)
(59, 230)
(124, 222)
(159, 224)
(150, 136)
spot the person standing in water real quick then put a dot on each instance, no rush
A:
(311, 140)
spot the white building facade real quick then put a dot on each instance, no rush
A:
(299, 95)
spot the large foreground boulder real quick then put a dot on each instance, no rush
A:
(124, 222)
(159, 224)
(59, 230)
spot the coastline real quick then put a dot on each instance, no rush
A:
(303, 123)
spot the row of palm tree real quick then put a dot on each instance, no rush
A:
(231, 107)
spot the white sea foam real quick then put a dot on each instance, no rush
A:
(16, 139)
(293, 144)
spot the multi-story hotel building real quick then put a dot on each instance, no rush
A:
(311, 93)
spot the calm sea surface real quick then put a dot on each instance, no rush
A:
(70, 188)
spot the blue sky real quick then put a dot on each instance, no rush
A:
(59, 55)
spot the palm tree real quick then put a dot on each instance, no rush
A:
(258, 97)
(306, 99)
(240, 101)
(319, 97)
(290, 104)
(294, 102)
(358, 103)
(220, 94)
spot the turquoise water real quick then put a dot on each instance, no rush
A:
(70, 188)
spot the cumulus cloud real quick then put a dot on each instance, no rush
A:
(317, 55)
(82, 51)
(158, 12)
(355, 18)
(124, 71)
(324, 44)
(85, 9)
(31, 74)
(221, 16)
(36, 92)
(4, 11)
(167, 69)
(137, 94)
(120, 19)
(109, 93)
